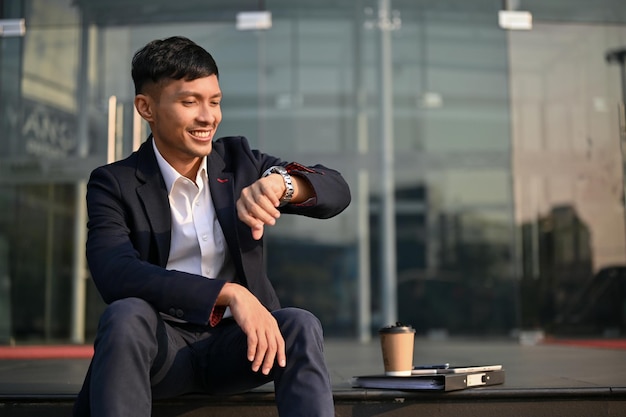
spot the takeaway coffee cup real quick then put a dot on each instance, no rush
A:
(397, 343)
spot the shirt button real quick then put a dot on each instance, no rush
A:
(205, 237)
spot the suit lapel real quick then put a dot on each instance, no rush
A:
(153, 195)
(221, 184)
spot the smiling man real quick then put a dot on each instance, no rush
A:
(175, 248)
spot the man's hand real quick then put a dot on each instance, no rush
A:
(265, 342)
(257, 205)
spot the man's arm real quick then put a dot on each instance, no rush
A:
(318, 192)
(259, 203)
(265, 342)
(122, 250)
(327, 193)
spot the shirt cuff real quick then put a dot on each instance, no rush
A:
(295, 168)
(216, 315)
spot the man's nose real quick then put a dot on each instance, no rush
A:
(208, 113)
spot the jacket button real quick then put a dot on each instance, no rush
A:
(172, 311)
(179, 313)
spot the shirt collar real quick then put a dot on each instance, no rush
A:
(170, 175)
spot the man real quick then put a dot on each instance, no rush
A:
(175, 248)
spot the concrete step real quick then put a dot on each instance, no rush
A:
(548, 380)
(476, 402)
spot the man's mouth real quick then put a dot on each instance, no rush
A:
(202, 134)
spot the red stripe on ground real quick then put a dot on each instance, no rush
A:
(46, 352)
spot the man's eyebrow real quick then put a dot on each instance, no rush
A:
(184, 93)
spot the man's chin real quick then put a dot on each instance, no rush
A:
(202, 148)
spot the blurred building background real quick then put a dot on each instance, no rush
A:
(485, 160)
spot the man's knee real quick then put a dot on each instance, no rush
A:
(127, 317)
(296, 322)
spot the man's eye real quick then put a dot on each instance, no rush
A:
(215, 103)
(188, 102)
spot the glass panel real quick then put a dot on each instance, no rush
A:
(38, 221)
(507, 163)
(568, 176)
(453, 188)
(37, 195)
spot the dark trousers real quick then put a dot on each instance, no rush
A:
(139, 357)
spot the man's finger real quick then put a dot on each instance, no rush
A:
(256, 224)
(250, 212)
(281, 357)
(257, 232)
(252, 344)
(270, 356)
(259, 355)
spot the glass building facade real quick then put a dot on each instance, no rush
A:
(485, 163)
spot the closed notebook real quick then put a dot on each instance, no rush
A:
(435, 382)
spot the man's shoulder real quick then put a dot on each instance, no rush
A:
(233, 149)
(231, 144)
(128, 166)
(130, 162)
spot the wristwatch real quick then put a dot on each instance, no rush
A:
(277, 169)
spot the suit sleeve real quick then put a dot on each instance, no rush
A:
(122, 257)
(332, 194)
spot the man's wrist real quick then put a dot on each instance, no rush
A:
(287, 180)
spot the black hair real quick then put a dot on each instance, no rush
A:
(171, 58)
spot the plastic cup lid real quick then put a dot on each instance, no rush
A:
(397, 328)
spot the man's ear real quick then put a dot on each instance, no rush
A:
(143, 104)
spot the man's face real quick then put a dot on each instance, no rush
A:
(183, 116)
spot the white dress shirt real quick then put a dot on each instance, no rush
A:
(198, 245)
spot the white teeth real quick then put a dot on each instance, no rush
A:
(201, 134)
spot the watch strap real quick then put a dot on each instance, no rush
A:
(289, 190)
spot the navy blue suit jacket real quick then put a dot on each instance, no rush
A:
(130, 223)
